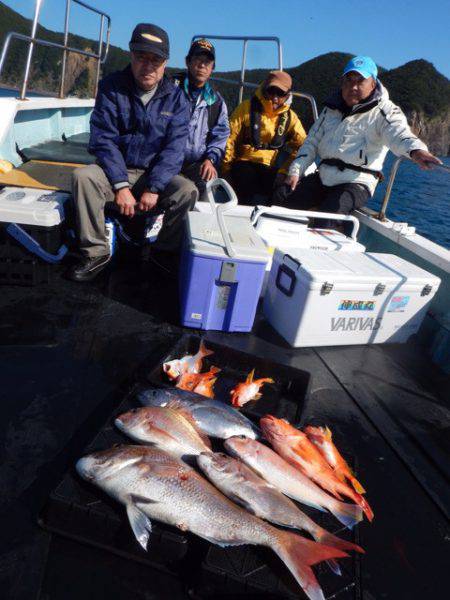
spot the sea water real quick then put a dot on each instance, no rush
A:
(420, 198)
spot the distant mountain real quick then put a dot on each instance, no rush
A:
(417, 87)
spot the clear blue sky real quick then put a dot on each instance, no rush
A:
(391, 31)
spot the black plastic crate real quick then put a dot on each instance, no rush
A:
(284, 399)
(18, 266)
(82, 512)
(255, 571)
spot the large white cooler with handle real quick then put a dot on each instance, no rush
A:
(318, 298)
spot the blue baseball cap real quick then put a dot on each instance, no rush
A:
(363, 65)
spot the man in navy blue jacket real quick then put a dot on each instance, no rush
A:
(208, 128)
(139, 129)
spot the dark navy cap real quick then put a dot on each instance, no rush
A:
(150, 38)
(202, 47)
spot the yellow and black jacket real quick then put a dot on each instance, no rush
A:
(239, 146)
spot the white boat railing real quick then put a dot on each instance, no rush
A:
(100, 56)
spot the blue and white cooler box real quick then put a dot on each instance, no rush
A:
(31, 233)
(222, 268)
(317, 298)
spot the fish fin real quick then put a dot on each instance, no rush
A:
(356, 485)
(347, 514)
(139, 522)
(257, 396)
(328, 435)
(329, 539)
(184, 412)
(250, 376)
(298, 554)
(264, 380)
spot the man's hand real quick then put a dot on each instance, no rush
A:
(279, 180)
(291, 181)
(424, 159)
(207, 170)
(125, 201)
(148, 201)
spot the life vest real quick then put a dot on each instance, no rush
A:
(281, 130)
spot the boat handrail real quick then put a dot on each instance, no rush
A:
(381, 215)
(245, 39)
(248, 84)
(100, 56)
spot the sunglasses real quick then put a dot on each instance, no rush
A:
(275, 91)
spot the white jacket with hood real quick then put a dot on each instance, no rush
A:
(359, 136)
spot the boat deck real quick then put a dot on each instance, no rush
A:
(68, 352)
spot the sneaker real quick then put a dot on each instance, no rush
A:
(88, 268)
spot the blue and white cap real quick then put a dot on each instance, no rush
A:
(363, 65)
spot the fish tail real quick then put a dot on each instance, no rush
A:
(362, 502)
(203, 350)
(329, 539)
(298, 554)
(347, 514)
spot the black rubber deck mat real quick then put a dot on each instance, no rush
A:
(285, 398)
(82, 512)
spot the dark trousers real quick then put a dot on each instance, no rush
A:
(192, 171)
(311, 194)
(250, 179)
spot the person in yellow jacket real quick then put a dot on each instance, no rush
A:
(261, 128)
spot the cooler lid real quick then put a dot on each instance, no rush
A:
(370, 267)
(28, 206)
(205, 238)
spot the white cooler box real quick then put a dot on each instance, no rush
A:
(31, 236)
(317, 298)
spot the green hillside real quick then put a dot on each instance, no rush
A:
(420, 90)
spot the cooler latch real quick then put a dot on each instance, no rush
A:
(326, 288)
(426, 290)
(379, 289)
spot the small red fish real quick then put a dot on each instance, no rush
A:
(200, 383)
(249, 390)
(321, 437)
(191, 363)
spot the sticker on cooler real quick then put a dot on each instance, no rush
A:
(398, 304)
(356, 305)
(153, 227)
(110, 228)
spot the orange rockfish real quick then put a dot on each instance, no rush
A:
(191, 363)
(321, 437)
(249, 390)
(200, 383)
(294, 446)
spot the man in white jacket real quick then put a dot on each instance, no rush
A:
(349, 141)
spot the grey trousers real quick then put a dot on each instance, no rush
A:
(92, 191)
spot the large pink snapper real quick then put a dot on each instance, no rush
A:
(154, 485)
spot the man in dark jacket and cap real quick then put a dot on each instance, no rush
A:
(139, 128)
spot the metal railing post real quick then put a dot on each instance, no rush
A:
(37, 10)
(280, 56)
(100, 45)
(64, 59)
(242, 80)
(387, 195)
